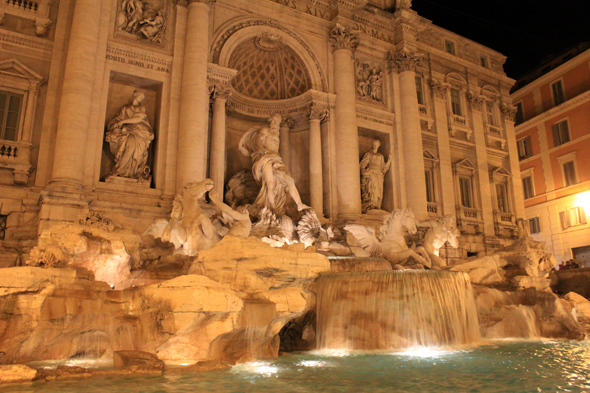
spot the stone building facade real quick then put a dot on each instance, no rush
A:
(113, 106)
(553, 138)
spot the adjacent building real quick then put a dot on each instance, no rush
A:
(553, 138)
(196, 75)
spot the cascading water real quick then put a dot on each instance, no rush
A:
(395, 310)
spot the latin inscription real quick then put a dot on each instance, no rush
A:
(308, 9)
(380, 35)
(139, 64)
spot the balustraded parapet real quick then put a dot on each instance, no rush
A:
(36, 10)
(469, 220)
(505, 224)
(16, 156)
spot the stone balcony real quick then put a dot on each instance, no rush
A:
(16, 156)
(459, 123)
(433, 209)
(35, 10)
(505, 224)
(469, 220)
(494, 136)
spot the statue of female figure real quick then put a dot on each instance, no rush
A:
(129, 135)
(373, 170)
(262, 145)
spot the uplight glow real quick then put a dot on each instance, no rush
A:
(583, 200)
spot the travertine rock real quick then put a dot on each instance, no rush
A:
(137, 360)
(580, 309)
(486, 270)
(16, 373)
(528, 257)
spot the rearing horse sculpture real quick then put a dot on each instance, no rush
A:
(391, 243)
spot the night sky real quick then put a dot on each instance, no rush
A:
(526, 31)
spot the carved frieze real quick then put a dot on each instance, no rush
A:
(404, 60)
(369, 81)
(142, 20)
(343, 38)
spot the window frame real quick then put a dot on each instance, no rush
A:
(524, 145)
(450, 44)
(528, 173)
(420, 90)
(6, 110)
(534, 223)
(519, 118)
(459, 103)
(491, 113)
(484, 60)
(556, 128)
(555, 99)
(470, 192)
(566, 159)
(570, 212)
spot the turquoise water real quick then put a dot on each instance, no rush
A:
(502, 366)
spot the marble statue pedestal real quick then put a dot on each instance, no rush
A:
(125, 181)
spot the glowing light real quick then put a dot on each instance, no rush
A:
(423, 352)
(313, 363)
(583, 200)
(266, 369)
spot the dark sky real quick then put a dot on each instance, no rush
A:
(526, 31)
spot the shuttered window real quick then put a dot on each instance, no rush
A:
(558, 94)
(527, 187)
(572, 217)
(524, 148)
(466, 192)
(10, 112)
(534, 225)
(561, 133)
(569, 173)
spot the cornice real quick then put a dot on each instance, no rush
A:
(566, 106)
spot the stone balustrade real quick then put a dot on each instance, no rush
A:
(16, 156)
(37, 10)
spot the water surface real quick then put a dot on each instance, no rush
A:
(502, 366)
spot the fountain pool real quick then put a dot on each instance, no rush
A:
(497, 366)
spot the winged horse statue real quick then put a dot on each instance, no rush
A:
(391, 243)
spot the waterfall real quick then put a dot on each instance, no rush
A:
(395, 309)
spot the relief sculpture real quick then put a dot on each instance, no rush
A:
(369, 81)
(143, 19)
(129, 135)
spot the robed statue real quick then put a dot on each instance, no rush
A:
(261, 144)
(129, 135)
(373, 170)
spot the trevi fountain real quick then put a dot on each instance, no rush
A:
(265, 195)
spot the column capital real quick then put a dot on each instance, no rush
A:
(476, 101)
(404, 60)
(439, 88)
(508, 111)
(343, 38)
(220, 90)
(318, 113)
(287, 122)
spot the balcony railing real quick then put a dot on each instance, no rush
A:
(469, 213)
(25, 5)
(493, 130)
(433, 208)
(35, 10)
(16, 156)
(422, 109)
(460, 120)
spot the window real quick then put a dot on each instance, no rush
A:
(429, 186)
(420, 90)
(491, 114)
(502, 198)
(534, 225)
(450, 47)
(3, 221)
(569, 173)
(524, 148)
(572, 217)
(483, 60)
(561, 133)
(519, 113)
(456, 102)
(466, 192)
(10, 109)
(527, 187)
(558, 94)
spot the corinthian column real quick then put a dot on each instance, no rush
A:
(285, 145)
(217, 161)
(76, 97)
(347, 140)
(316, 178)
(404, 62)
(191, 162)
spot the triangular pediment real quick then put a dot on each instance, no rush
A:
(16, 68)
(429, 156)
(466, 163)
(501, 171)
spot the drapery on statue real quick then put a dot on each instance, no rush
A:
(129, 136)
(261, 144)
(441, 230)
(373, 170)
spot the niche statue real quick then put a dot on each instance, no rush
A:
(129, 135)
(373, 170)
